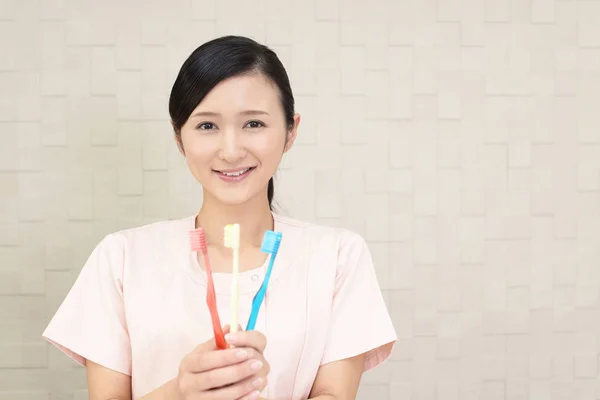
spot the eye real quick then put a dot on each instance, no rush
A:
(206, 126)
(255, 124)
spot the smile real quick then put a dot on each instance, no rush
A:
(234, 175)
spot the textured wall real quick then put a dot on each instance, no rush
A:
(460, 137)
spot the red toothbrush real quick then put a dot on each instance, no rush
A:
(198, 244)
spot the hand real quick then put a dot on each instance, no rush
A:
(236, 373)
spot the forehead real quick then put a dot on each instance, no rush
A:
(238, 93)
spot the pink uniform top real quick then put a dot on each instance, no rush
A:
(139, 305)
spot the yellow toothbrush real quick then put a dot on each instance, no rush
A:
(232, 240)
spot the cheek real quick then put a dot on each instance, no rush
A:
(197, 151)
(269, 148)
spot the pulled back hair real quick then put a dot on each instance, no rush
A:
(220, 59)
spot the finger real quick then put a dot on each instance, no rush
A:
(253, 339)
(251, 396)
(206, 361)
(266, 367)
(227, 329)
(248, 389)
(217, 378)
(211, 344)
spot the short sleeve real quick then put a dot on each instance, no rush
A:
(90, 323)
(360, 322)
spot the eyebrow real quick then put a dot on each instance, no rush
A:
(214, 114)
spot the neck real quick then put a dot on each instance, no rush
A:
(254, 218)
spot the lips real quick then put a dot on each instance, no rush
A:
(234, 175)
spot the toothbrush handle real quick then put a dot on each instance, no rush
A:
(235, 293)
(256, 303)
(260, 296)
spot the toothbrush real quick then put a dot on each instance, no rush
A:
(232, 240)
(198, 244)
(270, 245)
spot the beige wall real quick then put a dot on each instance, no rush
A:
(461, 138)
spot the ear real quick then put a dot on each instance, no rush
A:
(177, 138)
(292, 133)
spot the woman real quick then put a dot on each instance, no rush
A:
(136, 316)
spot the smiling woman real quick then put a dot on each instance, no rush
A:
(136, 315)
(249, 133)
(250, 88)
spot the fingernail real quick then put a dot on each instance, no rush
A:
(241, 354)
(231, 337)
(256, 366)
(254, 395)
(257, 383)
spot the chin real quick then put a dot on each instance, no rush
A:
(230, 198)
(238, 193)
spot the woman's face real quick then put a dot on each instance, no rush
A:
(234, 140)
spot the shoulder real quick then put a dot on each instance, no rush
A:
(143, 251)
(157, 229)
(157, 236)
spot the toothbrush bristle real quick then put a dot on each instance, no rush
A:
(232, 236)
(198, 240)
(271, 242)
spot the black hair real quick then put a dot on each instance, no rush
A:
(223, 58)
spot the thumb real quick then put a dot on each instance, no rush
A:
(227, 328)
(211, 344)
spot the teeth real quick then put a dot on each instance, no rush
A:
(236, 173)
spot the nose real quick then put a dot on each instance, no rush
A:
(231, 149)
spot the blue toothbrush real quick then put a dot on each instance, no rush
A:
(270, 245)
